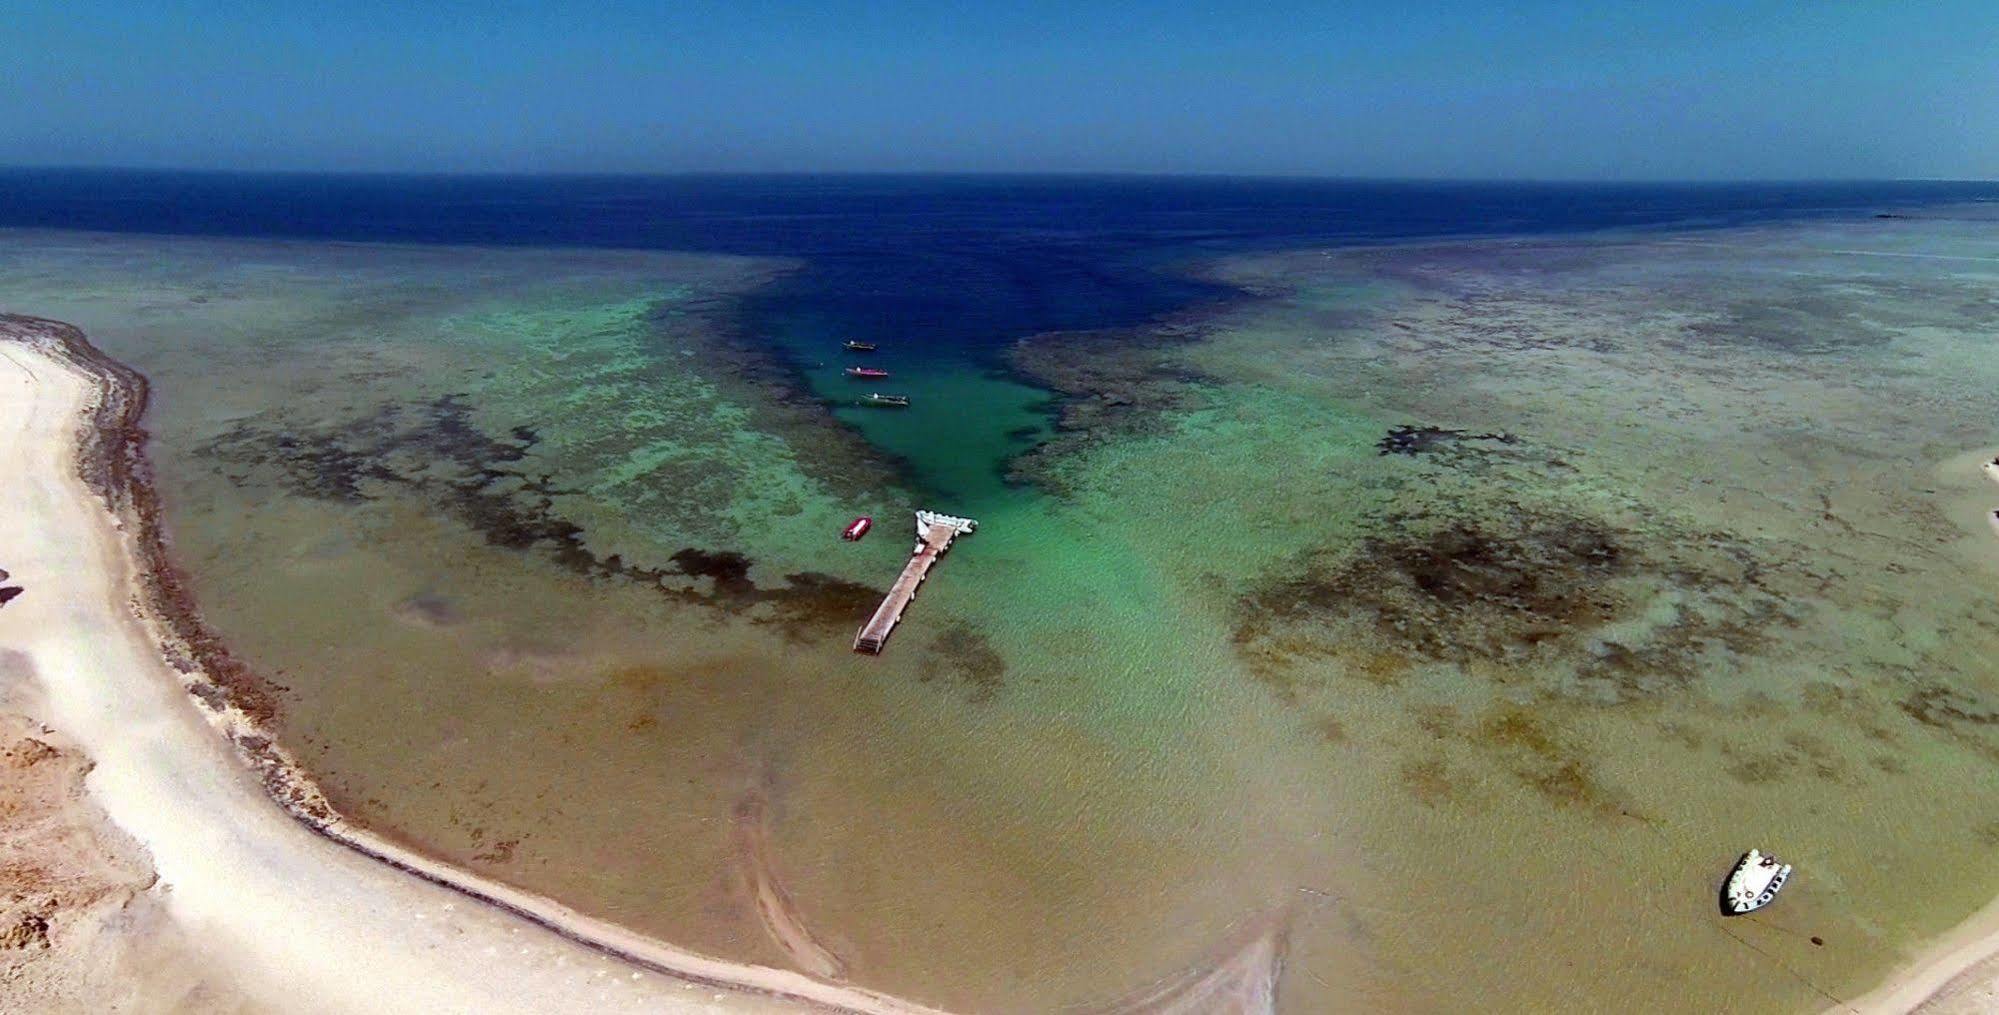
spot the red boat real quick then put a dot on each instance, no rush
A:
(858, 528)
(868, 372)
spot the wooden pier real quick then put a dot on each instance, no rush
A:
(934, 533)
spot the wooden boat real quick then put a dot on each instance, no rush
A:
(866, 373)
(852, 346)
(857, 528)
(887, 401)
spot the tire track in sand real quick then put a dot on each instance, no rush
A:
(781, 917)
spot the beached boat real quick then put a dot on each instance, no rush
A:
(857, 528)
(869, 373)
(1753, 883)
(852, 346)
(887, 401)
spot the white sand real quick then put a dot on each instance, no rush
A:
(302, 922)
(1958, 972)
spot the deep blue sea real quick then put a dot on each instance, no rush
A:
(946, 264)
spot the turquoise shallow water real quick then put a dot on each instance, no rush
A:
(1476, 726)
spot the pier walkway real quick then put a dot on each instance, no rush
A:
(934, 533)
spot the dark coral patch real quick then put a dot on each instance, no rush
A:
(1685, 735)
(435, 451)
(1758, 767)
(1330, 730)
(728, 571)
(811, 604)
(1536, 587)
(428, 609)
(1797, 753)
(1965, 716)
(1516, 739)
(393, 444)
(1419, 440)
(1455, 592)
(1804, 323)
(1110, 385)
(1987, 834)
(1430, 782)
(1851, 705)
(964, 656)
(1543, 759)
(1948, 708)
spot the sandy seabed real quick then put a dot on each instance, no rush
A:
(237, 900)
(223, 885)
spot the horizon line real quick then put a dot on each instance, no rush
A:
(995, 174)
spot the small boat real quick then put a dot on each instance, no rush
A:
(1753, 883)
(857, 528)
(852, 346)
(887, 401)
(869, 373)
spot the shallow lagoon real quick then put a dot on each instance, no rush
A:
(1475, 726)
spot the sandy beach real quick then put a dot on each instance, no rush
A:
(1956, 975)
(277, 911)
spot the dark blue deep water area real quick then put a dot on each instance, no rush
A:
(953, 265)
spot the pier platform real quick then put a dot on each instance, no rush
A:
(934, 533)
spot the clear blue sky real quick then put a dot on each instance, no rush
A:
(1606, 89)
